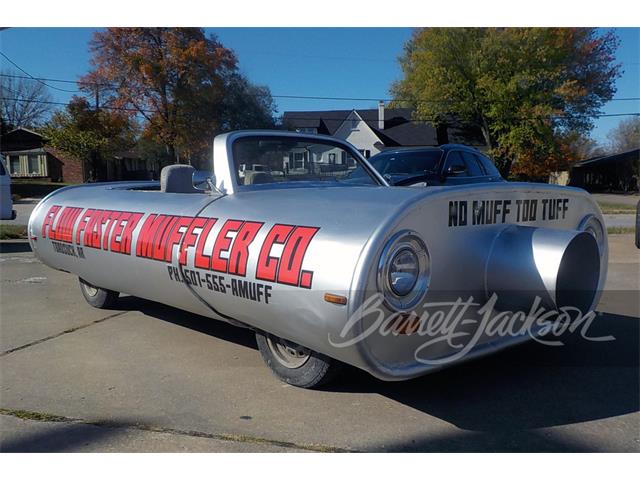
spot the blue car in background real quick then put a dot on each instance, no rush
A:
(449, 164)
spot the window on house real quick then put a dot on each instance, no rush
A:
(365, 153)
(332, 158)
(34, 165)
(298, 160)
(14, 165)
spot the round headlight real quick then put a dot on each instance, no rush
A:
(404, 271)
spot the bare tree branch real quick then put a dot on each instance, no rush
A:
(22, 101)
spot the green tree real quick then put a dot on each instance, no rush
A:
(89, 134)
(524, 88)
(626, 136)
(247, 105)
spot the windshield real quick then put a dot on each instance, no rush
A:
(406, 162)
(290, 159)
(403, 163)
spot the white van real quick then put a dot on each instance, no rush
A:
(6, 204)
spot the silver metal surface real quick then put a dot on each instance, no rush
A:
(326, 239)
(561, 267)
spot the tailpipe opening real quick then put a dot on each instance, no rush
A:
(561, 267)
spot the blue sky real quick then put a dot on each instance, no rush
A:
(330, 62)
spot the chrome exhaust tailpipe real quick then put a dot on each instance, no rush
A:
(562, 267)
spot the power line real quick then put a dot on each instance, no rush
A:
(31, 77)
(289, 117)
(540, 117)
(124, 109)
(297, 97)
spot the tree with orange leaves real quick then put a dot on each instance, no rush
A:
(175, 80)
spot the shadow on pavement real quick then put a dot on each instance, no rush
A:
(61, 437)
(497, 400)
(221, 330)
(516, 441)
(20, 246)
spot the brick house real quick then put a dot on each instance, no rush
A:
(27, 156)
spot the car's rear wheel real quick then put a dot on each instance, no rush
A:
(98, 297)
(295, 364)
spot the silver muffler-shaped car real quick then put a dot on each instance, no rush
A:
(326, 261)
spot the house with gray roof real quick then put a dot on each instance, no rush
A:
(374, 130)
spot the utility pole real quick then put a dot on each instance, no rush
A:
(95, 160)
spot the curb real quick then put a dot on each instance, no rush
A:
(15, 245)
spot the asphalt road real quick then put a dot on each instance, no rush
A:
(23, 208)
(152, 378)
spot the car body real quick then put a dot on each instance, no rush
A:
(6, 203)
(449, 164)
(301, 257)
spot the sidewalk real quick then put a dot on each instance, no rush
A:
(630, 199)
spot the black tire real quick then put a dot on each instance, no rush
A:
(98, 297)
(314, 370)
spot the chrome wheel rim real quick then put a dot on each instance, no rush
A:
(90, 289)
(288, 354)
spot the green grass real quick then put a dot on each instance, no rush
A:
(8, 232)
(28, 181)
(607, 207)
(34, 188)
(620, 230)
(36, 416)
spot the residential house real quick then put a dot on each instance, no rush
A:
(614, 173)
(129, 165)
(28, 156)
(374, 130)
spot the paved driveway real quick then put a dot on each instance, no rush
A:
(23, 208)
(151, 378)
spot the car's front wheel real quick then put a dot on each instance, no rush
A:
(295, 364)
(96, 296)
